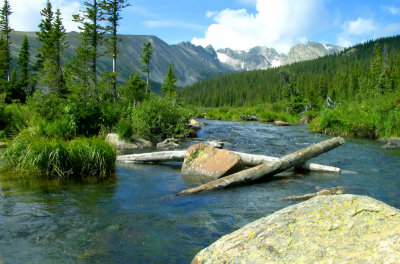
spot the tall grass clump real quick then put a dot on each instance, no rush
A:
(60, 158)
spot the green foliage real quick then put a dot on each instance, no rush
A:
(125, 129)
(112, 9)
(5, 31)
(13, 119)
(52, 36)
(23, 63)
(135, 90)
(92, 37)
(59, 158)
(157, 118)
(169, 85)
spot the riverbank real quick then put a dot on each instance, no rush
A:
(370, 120)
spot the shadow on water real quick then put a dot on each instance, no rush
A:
(134, 217)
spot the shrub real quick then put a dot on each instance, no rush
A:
(125, 129)
(61, 128)
(157, 119)
(13, 119)
(59, 158)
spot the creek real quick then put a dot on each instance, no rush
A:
(133, 217)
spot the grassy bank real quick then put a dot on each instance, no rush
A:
(60, 158)
(264, 113)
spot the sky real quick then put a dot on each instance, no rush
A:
(238, 24)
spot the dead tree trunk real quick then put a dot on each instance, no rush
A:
(266, 170)
(247, 160)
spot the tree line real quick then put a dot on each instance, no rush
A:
(360, 72)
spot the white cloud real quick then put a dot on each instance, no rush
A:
(278, 24)
(26, 13)
(391, 9)
(361, 30)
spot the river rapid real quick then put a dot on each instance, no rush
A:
(134, 217)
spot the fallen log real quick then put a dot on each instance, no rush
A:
(266, 170)
(247, 159)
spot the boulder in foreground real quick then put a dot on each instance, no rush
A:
(325, 229)
(205, 160)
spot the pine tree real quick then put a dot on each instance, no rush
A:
(146, 57)
(135, 90)
(113, 16)
(5, 29)
(169, 85)
(23, 63)
(59, 45)
(92, 37)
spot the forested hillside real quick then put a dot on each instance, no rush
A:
(364, 80)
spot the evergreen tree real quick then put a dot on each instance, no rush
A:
(135, 90)
(113, 16)
(59, 44)
(92, 37)
(169, 85)
(146, 57)
(5, 29)
(23, 63)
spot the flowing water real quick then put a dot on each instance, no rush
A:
(134, 217)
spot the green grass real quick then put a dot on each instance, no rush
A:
(59, 158)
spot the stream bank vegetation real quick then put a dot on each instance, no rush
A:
(354, 93)
(55, 112)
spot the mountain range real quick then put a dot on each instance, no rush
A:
(190, 62)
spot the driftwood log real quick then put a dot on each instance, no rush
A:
(247, 159)
(268, 169)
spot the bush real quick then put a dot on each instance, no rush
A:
(62, 128)
(13, 119)
(125, 130)
(59, 158)
(157, 119)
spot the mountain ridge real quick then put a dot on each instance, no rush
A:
(191, 63)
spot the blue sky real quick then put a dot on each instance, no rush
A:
(239, 24)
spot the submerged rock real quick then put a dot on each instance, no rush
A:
(325, 229)
(281, 123)
(124, 145)
(328, 191)
(392, 143)
(193, 122)
(205, 160)
(169, 143)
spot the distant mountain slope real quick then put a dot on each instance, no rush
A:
(190, 63)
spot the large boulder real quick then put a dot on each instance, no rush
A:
(207, 161)
(392, 143)
(120, 144)
(325, 229)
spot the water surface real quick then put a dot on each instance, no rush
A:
(133, 217)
